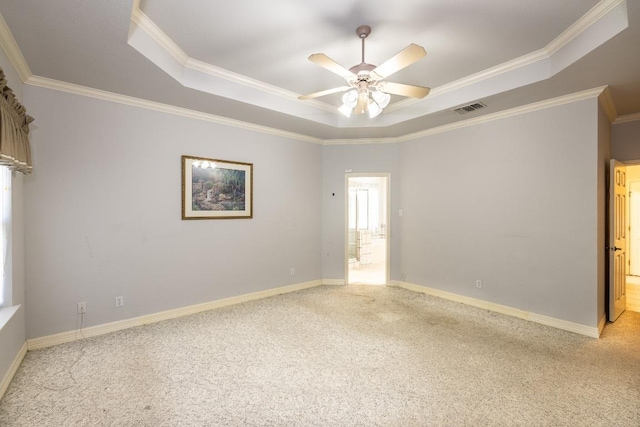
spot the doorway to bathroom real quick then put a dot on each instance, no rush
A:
(367, 251)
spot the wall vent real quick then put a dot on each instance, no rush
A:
(469, 108)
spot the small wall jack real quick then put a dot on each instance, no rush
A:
(119, 301)
(478, 283)
(82, 307)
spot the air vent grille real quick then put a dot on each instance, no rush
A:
(469, 108)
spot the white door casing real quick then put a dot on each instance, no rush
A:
(352, 223)
(617, 239)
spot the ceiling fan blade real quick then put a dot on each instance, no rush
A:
(402, 59)
(404, 90)
(324, 92)
(325, 62)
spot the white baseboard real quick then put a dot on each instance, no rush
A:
(69, 336)
(601, 323)
(503, 309)
(64, 337)
(12, 370)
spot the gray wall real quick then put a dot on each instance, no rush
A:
(625, 141)
(103, 209)
(512, 202)
(12, 335)
(365, 158)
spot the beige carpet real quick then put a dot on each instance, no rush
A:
(335, 356)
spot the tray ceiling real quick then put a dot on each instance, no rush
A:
(249, 62)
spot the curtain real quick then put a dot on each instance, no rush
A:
(14, 130)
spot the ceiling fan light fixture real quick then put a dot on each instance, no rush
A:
(381, 98)
(365, 80)
(350, 98)
(364, 101)
(374, 109)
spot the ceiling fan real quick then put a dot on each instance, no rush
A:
(367, 91)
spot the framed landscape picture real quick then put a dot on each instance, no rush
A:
(216, 189)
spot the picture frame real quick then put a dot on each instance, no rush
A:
(216, 189)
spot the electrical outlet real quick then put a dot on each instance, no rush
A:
(293, 271)
(478, 283)
(82, 307)
(119, 301)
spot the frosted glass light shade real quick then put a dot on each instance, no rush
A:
(374, 110)
(350, 98)
(381, 98)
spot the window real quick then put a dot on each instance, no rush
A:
(5, 241)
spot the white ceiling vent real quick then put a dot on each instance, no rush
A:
(469, 108)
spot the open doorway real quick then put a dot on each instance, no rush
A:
(367, 251)
(633, 243)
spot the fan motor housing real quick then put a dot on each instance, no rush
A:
(362, 67)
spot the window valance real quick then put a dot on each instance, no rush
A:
(14, 130)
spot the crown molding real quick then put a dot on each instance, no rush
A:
(606, 101)
(165, 42)
(361, 141)
(596, 13)
(156, 33)
(540, 105)
(212, 70)
(498, 70)
(627, 118)
(164, 108)
(529, 68)
(198, 115)
(9, 45)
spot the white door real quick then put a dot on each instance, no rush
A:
(634, 228)
(617, 239)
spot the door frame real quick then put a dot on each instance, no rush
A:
(346, 222)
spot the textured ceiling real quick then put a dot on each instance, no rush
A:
(97, 44)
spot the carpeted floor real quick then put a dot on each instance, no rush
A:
(335, 356)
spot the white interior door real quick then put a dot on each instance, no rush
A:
(634, 229)
(617, 239)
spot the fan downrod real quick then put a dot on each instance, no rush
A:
(362, 31)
